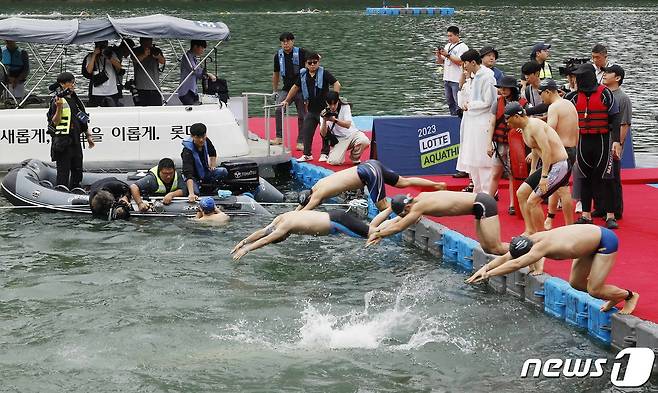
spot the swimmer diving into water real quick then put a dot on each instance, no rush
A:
(592, 248)
(302, 223)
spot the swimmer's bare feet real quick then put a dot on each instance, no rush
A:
(548, 224)
(537, 268)
(630, 304)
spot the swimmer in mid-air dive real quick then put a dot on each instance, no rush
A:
(302, 223)
(592, 248)
(440, 204)
(370, 173)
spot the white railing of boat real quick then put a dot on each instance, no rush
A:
(267, 108)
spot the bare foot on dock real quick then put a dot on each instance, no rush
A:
(630, 304)
(537, 268)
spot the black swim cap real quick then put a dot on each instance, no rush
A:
(304, 197)
(399, 202)
(514, 108)
(519, 246)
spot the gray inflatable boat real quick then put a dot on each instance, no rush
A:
(31, 184)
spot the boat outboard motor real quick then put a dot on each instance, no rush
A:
(243, 177)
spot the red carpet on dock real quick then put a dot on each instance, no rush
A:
(637, 262)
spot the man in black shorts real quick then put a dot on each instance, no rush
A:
(304, 223)
(372, 174)
(439, 204)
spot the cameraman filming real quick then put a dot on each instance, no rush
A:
(338, 129)
(151, 58)
(67, 120)
(570, 65)
(103, 69)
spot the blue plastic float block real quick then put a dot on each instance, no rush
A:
(599, 324)
(447, 11)
(576, 313)
(554, 294)
(465, 252)
(450, 241)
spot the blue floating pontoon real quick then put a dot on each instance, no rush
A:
(443, 11)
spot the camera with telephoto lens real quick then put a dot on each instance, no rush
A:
(327, 113)
(109, 51)
(155, 51)
(130, 86)
(570, 65)
(63, 93)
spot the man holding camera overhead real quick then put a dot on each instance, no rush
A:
(102, 67)
(147, 83)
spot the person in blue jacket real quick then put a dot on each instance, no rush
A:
(199, 161)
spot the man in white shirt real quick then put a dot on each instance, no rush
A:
(450, 57)
(337, 125)
(600, 61)
(101, 67)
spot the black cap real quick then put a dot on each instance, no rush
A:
(488, 49)
(519, 246)
(548, 84)
(198, 129)
(540, 46)
(530, 68)
(513, 108)
(584, 69)
(508, 81)
(617, 70)
(399, 202)
(65, 77)
(304, 197)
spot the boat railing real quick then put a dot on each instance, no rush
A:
(284, 127)
(267, 109)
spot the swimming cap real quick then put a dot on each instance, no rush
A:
(519, 246)
(207, 205)
(304, 197)
(399, 202)
(513, 108)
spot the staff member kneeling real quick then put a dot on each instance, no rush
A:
(67, 119)
(337, 126)
(162, 180)
(199, 161)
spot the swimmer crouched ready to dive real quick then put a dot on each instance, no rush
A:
(302, 223)
(439, 204)
(370, 173)
(592, 248)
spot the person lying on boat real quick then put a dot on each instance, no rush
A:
(592, 248)
(370, 173)
(163, 181)
(209, 213)
(302, 222)
(439, 204)
(199, 161)
(109, 198)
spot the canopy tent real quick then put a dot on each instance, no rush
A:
(64, 32)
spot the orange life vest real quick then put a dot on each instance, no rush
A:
(501, 130)
(592, 112)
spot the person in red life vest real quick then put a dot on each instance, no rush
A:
(508, 90)
(599, 125)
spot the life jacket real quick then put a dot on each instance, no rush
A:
(162, 188)
(295, 62)
(545, 71)
(319, 78)
(64, 126)
(592, 112)
(12, 60)
(198, 163)
(502, 129)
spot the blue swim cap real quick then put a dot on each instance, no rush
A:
(207, 204)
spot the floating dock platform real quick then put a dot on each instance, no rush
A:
(438, 11)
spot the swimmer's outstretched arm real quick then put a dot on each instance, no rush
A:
(272, 237)
(499, 260)
(394, 227)
(511, 265)
(379, 219)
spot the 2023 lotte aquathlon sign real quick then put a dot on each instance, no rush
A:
(427, 145)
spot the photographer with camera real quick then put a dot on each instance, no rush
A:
(338, 129)
(188, 92)
(102, 67)
(67, 120)
(570, 65)
(147, 72)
